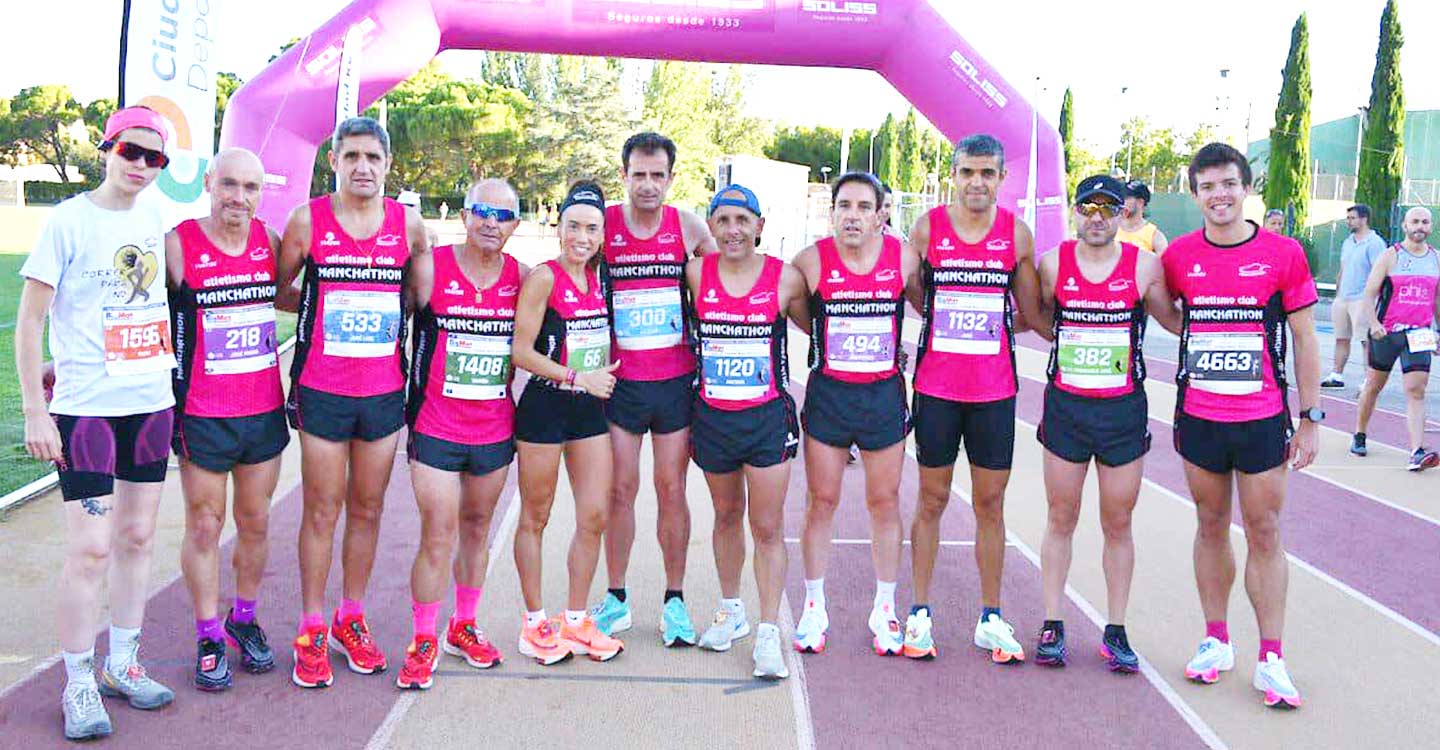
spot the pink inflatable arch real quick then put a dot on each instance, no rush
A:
(284, 113)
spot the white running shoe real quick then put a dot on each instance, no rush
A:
(1273, 680)
(1212, 658)
(810, 631)
(889, 639)
(769, 659)
(727, 628)
(997, 636)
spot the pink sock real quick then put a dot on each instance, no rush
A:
(1270, 647)
(244, 611)
(209, 629)
(310, 621)
(1218, 630)
(466, 599)
(351, 608)
(424, 614)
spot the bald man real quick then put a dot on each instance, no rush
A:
(1402, 306)
(229, 421)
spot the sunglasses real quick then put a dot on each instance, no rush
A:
(135, 152)
(1106, 210)
(487, 211)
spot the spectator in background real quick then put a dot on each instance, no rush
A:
(444, 210)
(1275, 221)
(412, 199)
(1357, 255)
(1134, 228)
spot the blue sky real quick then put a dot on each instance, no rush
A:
(1167, 54)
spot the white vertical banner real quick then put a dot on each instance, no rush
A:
(347, 92)
(167, 55)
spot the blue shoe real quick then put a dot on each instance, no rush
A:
(611, 616)
(675, 626)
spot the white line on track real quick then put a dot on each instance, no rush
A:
(799, 686)
(404, 703)
(868, 542)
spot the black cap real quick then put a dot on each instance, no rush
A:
(1137, 189)
(1102, 184)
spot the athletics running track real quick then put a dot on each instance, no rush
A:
(1363, 538)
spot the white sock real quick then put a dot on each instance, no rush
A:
(79, 668)
(734, 606)
(769, 625)
(574, 617)
(885, 596)
(124, 645)
(1335, 376)
(815, 593)
(533, 619)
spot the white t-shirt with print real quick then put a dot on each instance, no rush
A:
(110, 319)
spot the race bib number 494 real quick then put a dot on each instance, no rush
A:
(1226, 363)
(968, 322)
(860, 344)
(137, 339)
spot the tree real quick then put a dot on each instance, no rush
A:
(1287, 178)
(678, 104)
(1154, 156)
(1382, 147)
(734, 132)
(577, 134)
(1067, 134)
(910, 169)
(889, 151)
(40, 122)
(816, 147)
(226, 84)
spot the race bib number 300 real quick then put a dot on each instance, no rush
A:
(968, 323)
(1094, 358)
(239, 339)
(860, 344)
(647, 318)
(736, 370)
(477, 368)
(361, 324)
(1227, 363)
(137, 339)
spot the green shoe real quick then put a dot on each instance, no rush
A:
(675, 626)
(611, 616)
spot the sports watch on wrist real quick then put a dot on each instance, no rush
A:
(1313, 414)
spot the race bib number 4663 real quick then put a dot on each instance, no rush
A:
(137, 339)
(1227, 363)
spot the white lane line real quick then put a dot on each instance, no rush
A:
(799, 686)
(867, 542)
(1190, 716)
(404, 703)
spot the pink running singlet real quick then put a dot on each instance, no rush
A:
(856, 337)
(643, 283)
(1099, 327)
(1407, 297)
(576, 328)
(743, 360)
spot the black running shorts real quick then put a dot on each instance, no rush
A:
(1384, 352)
(550, 415)
(658, 406)
(344, 418)
(985, 428)
(871, 416)
(1113, 431)
(477, 460)
(95, 451)
(219, 443)
(1248, 447)
(765, 435)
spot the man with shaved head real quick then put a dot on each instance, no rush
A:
(462, 422)
(1402, 304)
(229, 421)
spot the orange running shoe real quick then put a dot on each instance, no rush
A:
(312, 660)
(352, 639)
(542, 643)
(587, 640)
(418, 671)
(468, 642)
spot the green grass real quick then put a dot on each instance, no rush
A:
(17, 468)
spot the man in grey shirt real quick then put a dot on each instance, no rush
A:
(1357, 255)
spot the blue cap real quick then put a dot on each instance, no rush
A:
(749, 202)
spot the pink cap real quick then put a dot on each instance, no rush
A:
(135, 117)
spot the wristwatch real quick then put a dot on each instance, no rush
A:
(1314, 414)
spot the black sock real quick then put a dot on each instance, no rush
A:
(1114, 631)
(1056, 625)
(915, 608)
(618, 594)
(674, 594)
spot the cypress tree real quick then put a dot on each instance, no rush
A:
(910, 171)
(1287, 178)
(1382, 147)
(1067, 125)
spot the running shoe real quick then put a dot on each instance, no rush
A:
(1273, 680)
(675, 626)
(1212, 658)
(1422, 459)
(136, 686)
(725, 629)
(418, 671)
(998, 637)
(249, 639)
(212, 669)
(810, 632)
(1051, 651)
(312, 660)
(919, 640)
(85, 715)
(1357, 445)
(1333, 382)
(468, 642)
(1115, 650)
(586, 639)
(888, 639)
(611, 616)
(769, 659)
(352, 640)
(542, 643)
